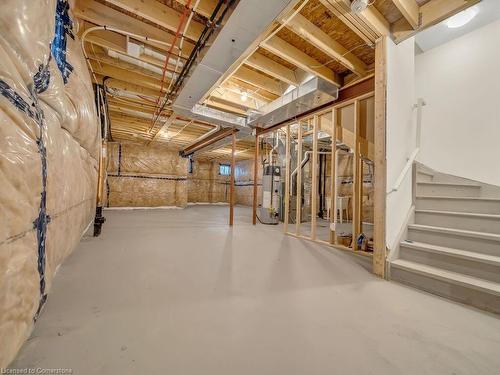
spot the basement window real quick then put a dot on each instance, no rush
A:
(224, 169)
(190, 165)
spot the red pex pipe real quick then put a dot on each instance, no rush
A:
(167, 57)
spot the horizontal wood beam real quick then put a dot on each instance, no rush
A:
(272, 68)
(224, 106)
(295, 56)
(221, 134)
(263, 95)
(410, 11)
(127, 86)
(369, 25)
(126, 75)
(160, 14)
(431, 13)
(259, 80)
(100, 14)
(205, 7)
(232, 98)
(317, 37)
(102, 57)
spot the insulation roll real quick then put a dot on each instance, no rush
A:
(49, 151)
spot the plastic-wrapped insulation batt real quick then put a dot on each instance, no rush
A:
(49, 151)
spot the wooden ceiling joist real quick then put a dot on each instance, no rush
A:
(226, 107)
(234, 84)
(106, 59)
(314, 35)
(410, 11)
(205, 7)
(259, 80)
(295, 56)
(160, 14)
(126, 75)
(105, 38)
(431, 13)
(119, 84)
(232, 98)
(164, 127)
(369, 25)
(272, 68)
(100, 14)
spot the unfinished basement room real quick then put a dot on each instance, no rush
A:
(250, 187)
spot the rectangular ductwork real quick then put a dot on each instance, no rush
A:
(308, 96)
(213, 116)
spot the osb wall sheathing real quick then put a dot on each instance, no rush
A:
(206, 185)
(145, 176)
(49, 151)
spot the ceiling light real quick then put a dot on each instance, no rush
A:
(357, 6)
(462, 18)
(244, 96)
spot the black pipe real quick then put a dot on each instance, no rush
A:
(207, 32)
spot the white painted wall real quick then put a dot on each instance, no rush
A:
(460, 82)
(401, 133)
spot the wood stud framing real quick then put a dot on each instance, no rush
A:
(379, 209)
(298, 193)
(314, 185)
(287, 179)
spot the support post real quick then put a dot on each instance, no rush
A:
(379, 204)
(231, 186)
(255, 176)
(314, 185)
(298, 210)
(287, 179)
(333, 184)
(356, 202)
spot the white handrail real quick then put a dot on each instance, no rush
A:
(405, 170)
(418, 106)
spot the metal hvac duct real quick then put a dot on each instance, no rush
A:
(311, 94)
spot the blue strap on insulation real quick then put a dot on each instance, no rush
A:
(34, 112)
(64, 27)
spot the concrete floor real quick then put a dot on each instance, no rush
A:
(178, 292)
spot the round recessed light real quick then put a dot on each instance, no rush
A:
(462, 18)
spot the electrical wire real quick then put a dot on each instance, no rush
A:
(206, 33)
(193, 10)
(156, 114)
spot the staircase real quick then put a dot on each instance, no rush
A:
(453, 247)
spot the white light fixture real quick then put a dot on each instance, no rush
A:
(357, 6)
(244, 96)
(462, 18)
